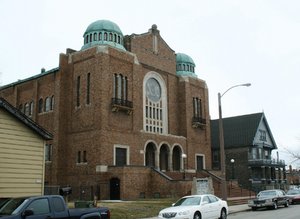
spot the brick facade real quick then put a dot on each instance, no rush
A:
(84, 121)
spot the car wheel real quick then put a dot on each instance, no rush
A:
(254, 208)
(286, 204)
(223, 214)
(197, 215)
(275, 206)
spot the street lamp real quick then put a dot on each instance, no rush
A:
(184, 161)
(221, 139)
(232, 168)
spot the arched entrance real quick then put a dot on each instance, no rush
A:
(150, 155)
(164, 158)
(115, 189)
(176, 158)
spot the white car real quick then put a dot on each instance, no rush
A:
(196, 207)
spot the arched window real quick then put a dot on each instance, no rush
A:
(164, 158)
(47, 104)
(115, 37)
(100, 36)
(86, 39)
(110, 37)
(41, 102)
(150, 155)
(176, 158)
(95, 36)
(26, 110)
(155, 104)
(105, 36)
(91, 37)
(119, 39)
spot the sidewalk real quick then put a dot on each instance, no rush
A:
(238, 208)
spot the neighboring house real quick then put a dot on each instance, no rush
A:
(293, 177)
(125, 112)
(22, 144)
(249, 143)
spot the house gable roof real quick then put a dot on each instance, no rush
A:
(241, 131)
(25, 119)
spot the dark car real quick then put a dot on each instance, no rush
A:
(294, 196)
(48, 206)
(3, 201)
(269, 199)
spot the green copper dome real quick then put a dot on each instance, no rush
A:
(103, 32)
(185, 65)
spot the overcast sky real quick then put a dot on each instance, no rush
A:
(231, 42)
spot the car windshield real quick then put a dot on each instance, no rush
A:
(11, 205)
(186, 201)
(267, 193)
(293, 192)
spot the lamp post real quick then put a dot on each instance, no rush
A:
(184, 161)
(232, 171)
(232, 168)
(221, 139)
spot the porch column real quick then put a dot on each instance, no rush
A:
(157, 160)
(170, 168)
(263, 173)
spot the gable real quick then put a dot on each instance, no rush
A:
(152, 50)
(264, 136)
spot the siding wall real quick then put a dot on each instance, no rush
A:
(21, 158)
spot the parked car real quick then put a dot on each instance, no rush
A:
(293, 195)
(270, 199)
(49, 206)
(195, 207)
(3, 201)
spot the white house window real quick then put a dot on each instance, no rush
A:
(263, 135)
(155, 104)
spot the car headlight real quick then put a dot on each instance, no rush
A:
(182, 213)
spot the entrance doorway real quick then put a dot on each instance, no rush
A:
(115, 189)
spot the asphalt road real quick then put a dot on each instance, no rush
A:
(292, 212)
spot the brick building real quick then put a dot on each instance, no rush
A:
(124, 111)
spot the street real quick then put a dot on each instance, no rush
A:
(291, 212)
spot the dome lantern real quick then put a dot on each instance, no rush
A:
(103, 32)
(185, 65)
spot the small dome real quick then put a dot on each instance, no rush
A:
(185, 65)
(103, 32)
